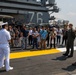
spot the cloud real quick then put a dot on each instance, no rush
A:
(72, 14)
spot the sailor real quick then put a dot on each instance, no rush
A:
(4, 47)
(70, 41)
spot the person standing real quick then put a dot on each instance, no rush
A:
(25, 36)
(70, 41)
(5, 38)
(12, 33)
(64, 36)
(22, 42)
(35, 38)
(48, 36)
(53, 38)
(43, 36)
(58, 35)
(30, 36)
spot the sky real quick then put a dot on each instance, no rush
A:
(67, 10)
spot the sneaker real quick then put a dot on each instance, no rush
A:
(11, 68)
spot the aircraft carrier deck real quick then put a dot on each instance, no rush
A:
(41, 62)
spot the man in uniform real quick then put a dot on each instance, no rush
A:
(4, 47)
(70, 41)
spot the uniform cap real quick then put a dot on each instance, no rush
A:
(1, 23)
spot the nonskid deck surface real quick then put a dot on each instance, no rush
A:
(41, 62)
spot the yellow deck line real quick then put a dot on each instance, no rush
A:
(32, 53)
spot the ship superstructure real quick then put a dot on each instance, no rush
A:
(28, 11)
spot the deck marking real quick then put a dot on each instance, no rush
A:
(32, 53)
(36, 53)
(64, 49)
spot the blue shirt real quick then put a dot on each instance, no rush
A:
(43, 34)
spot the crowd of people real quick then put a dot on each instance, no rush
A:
(38, 37)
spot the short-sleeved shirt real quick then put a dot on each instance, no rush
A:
(43, 34)
(30, 32)
(35, 33)
(4, 36)
(59, 32)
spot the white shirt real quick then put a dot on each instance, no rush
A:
(30, 32)
(4, 36)
(59, 32)
(35, 33)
